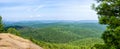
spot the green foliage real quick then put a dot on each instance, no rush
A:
(47, 45)
(13, 31)
(109, 14)
(100, 46)
(88, 42)
(62, 35)
(1, 25)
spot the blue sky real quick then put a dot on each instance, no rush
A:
(20, 10)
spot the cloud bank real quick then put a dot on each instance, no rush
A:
(19, 10)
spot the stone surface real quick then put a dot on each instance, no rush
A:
(9, 41)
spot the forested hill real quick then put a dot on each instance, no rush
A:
(43, 23)
(60, 34)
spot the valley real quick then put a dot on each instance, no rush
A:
(60, 34)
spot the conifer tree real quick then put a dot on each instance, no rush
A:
(1, 25)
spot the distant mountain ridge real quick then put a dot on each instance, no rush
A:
(54, 21)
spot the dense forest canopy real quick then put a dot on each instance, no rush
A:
(60, 34)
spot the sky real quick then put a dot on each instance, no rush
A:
(22, 10)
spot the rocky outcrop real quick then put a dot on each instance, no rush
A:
(9, 41)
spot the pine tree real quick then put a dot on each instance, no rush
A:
(1, 25)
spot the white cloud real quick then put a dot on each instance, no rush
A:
(39, 7)
(35, 16)
(16, 1)
(55, 9)
(27, 8)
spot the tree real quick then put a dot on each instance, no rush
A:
(13, 31)
(109, 14)
(1, 25)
